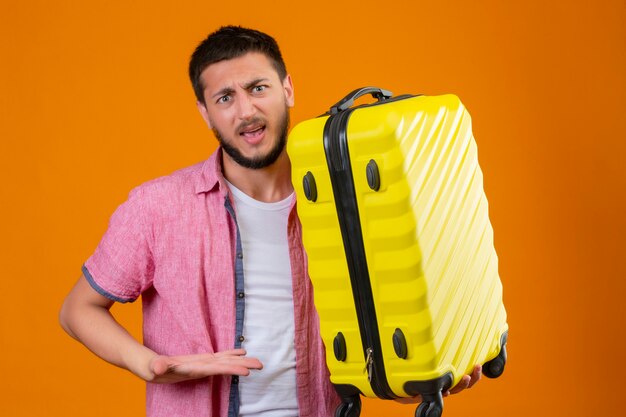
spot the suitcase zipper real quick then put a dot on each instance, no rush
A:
(369, 363)
(338, 160)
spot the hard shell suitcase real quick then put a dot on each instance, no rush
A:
(400, 247)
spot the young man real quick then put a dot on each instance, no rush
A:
(185, 242)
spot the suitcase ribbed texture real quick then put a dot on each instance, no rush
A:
(427, 236)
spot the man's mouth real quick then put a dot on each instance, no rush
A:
(252, 132)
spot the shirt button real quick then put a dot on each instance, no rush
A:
(235, 379)
(239, 255)
(241, 295)
(241, 338)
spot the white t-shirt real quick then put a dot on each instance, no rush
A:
(268, 326)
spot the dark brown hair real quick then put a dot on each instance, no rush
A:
(230, 42)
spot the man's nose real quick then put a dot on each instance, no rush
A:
(246, 107)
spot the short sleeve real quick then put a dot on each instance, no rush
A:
(122, 266)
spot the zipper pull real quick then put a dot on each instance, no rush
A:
(369, 363)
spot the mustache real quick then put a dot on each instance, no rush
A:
(251, 122)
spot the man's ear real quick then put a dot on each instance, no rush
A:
(203, 112)
(288, 87)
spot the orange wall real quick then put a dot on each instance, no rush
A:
(94, 100)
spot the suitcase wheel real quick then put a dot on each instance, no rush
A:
(495, 367)
(432, 404)
(351, 408)
(429, 409)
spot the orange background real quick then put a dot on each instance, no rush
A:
(94, 99)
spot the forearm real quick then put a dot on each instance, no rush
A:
(88, 320)
(85, 316)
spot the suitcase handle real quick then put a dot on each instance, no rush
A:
(346, 102)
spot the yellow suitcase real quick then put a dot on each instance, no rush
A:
(400, 247)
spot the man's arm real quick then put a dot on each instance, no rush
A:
(86, 317)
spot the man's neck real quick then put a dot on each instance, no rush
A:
(268, 185)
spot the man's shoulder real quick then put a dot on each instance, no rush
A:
(167, 187)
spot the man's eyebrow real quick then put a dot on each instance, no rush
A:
(229, 90)
(254, 82)
(223, 92)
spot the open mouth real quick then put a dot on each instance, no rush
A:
(253, 134)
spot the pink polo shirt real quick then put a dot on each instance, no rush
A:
(174, 242)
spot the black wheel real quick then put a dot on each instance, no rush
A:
(495, 367)
(428, 409)
(341, 410)
(421, 410)
(352, 408)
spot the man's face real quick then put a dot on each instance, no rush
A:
(247, 106)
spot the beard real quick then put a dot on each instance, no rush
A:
(260, 161)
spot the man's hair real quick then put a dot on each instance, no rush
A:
(230, 42)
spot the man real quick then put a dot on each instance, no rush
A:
(185, 242)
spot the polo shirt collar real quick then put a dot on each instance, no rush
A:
(211, 177)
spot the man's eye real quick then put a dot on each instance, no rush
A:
(258, 88)
(223, 99)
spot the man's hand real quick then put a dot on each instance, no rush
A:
(467, 381)
(169, 369)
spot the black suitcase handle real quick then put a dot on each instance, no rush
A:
(346, 102)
